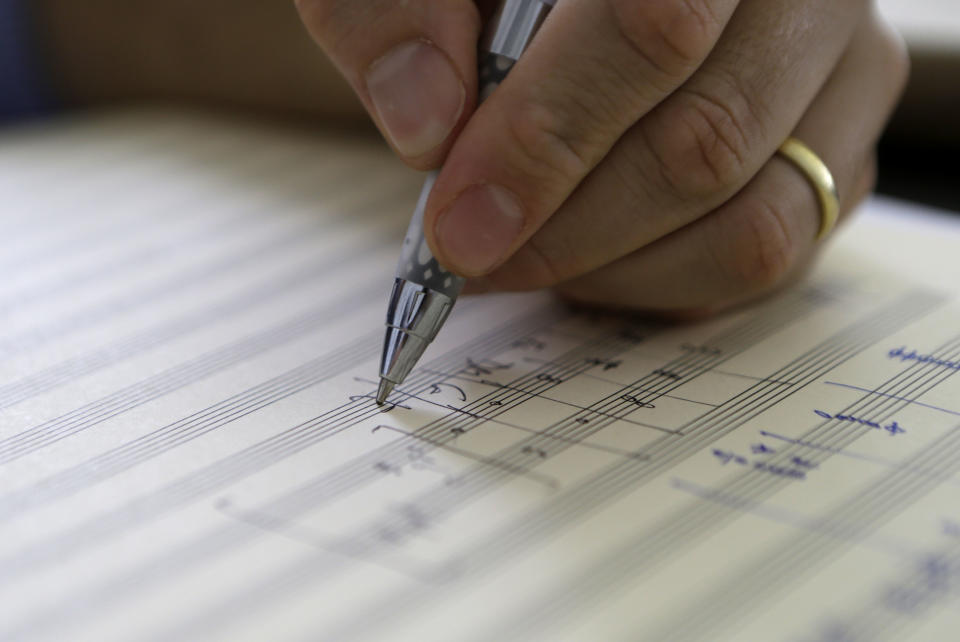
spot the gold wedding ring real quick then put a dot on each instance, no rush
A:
(819, 177)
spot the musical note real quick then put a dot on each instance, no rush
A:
(191, 449)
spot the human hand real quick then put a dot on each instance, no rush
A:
(629, 158)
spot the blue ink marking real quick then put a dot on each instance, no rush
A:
(903, 355)
(937, 571)
(951, 528)
(726, 457)
(762, 449)
(937, 575)
(893, 428)
(883, 394)
(800, 462)
(835, 451)
(903, 600)
(780, 471)
(873, 460)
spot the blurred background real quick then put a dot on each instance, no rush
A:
(920, 153)
(253, 55)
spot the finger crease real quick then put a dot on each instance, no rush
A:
(552, 269)
(722, 133)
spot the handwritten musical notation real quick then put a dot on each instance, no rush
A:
(189, 447)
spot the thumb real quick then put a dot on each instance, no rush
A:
(413, 64)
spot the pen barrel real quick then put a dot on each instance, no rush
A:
(417, 263)
(508, 34)
(513, 26)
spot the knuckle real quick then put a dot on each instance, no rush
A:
(544, 146)
(897, 63)
(761, 251)
(672, 37)
(901, 67)
(706, 145)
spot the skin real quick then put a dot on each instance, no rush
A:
(636, 139)
(632, 151)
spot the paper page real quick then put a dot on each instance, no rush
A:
(191, 323)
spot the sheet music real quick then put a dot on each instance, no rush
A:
(192, 315)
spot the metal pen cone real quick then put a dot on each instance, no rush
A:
(386, 387)
(415, 315)
(424, 291)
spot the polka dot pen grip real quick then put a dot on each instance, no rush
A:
(417, 264)
(424, 292)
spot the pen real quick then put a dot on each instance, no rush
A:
(424, 292)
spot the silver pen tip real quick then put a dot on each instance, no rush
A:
(386, 387)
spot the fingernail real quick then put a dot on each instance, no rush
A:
(478, 230)
(418, 96)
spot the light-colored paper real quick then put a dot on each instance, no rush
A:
(191, 320)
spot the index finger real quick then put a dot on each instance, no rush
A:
(594, 70)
